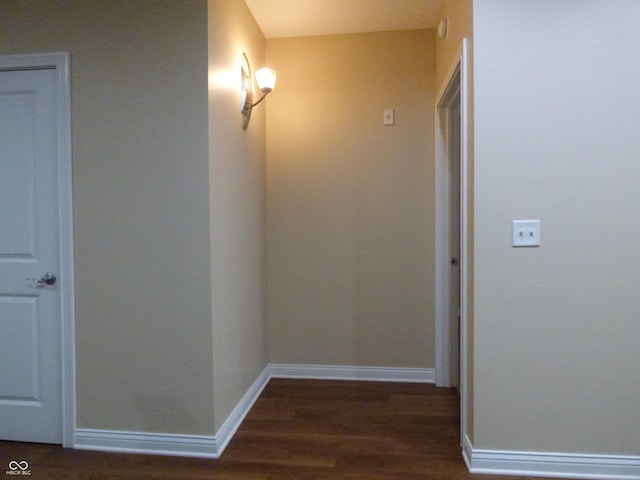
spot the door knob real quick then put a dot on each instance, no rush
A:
(48, 278)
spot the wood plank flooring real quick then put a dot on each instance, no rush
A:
(299, 430)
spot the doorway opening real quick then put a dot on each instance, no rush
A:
(451, 233)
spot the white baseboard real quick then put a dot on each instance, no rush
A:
(333, 372)
(148, 443)
(170, 444)
(561, 465)
(233, 421)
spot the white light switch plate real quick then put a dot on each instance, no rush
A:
(525, 233)
(389, 117)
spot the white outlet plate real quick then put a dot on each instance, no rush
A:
(525, 233)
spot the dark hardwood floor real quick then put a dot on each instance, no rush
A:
(299, 430)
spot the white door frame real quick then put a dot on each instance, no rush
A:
(61, 63)
(457, 77)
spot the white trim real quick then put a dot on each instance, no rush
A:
(467, 449)
(147, 443)
(340, 372)
(545, 464)
(464, 219)
(61, 63)
(233, 421)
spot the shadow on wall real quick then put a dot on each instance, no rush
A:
(166, 414)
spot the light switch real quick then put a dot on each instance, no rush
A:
(389, 117)
(525, 233)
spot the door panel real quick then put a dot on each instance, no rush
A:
(20, 381)
(454, 236)
(30, 343)
(18, 172)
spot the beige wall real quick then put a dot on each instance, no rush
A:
(237, 196)
(556, 327)
(350, 201)
(459, 15)
(139, 107)
(169, 206)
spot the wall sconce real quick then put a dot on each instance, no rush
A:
(266, 79)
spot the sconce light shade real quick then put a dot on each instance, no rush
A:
(266, 78)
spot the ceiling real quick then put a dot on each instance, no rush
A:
(301, 18)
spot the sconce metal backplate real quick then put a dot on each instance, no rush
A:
(246, 90)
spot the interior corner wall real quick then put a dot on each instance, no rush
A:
(237, 198)
(556, 327)
(141, 224)
(350, 202)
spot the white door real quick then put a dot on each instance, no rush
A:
(454, 238)
(30, 318)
